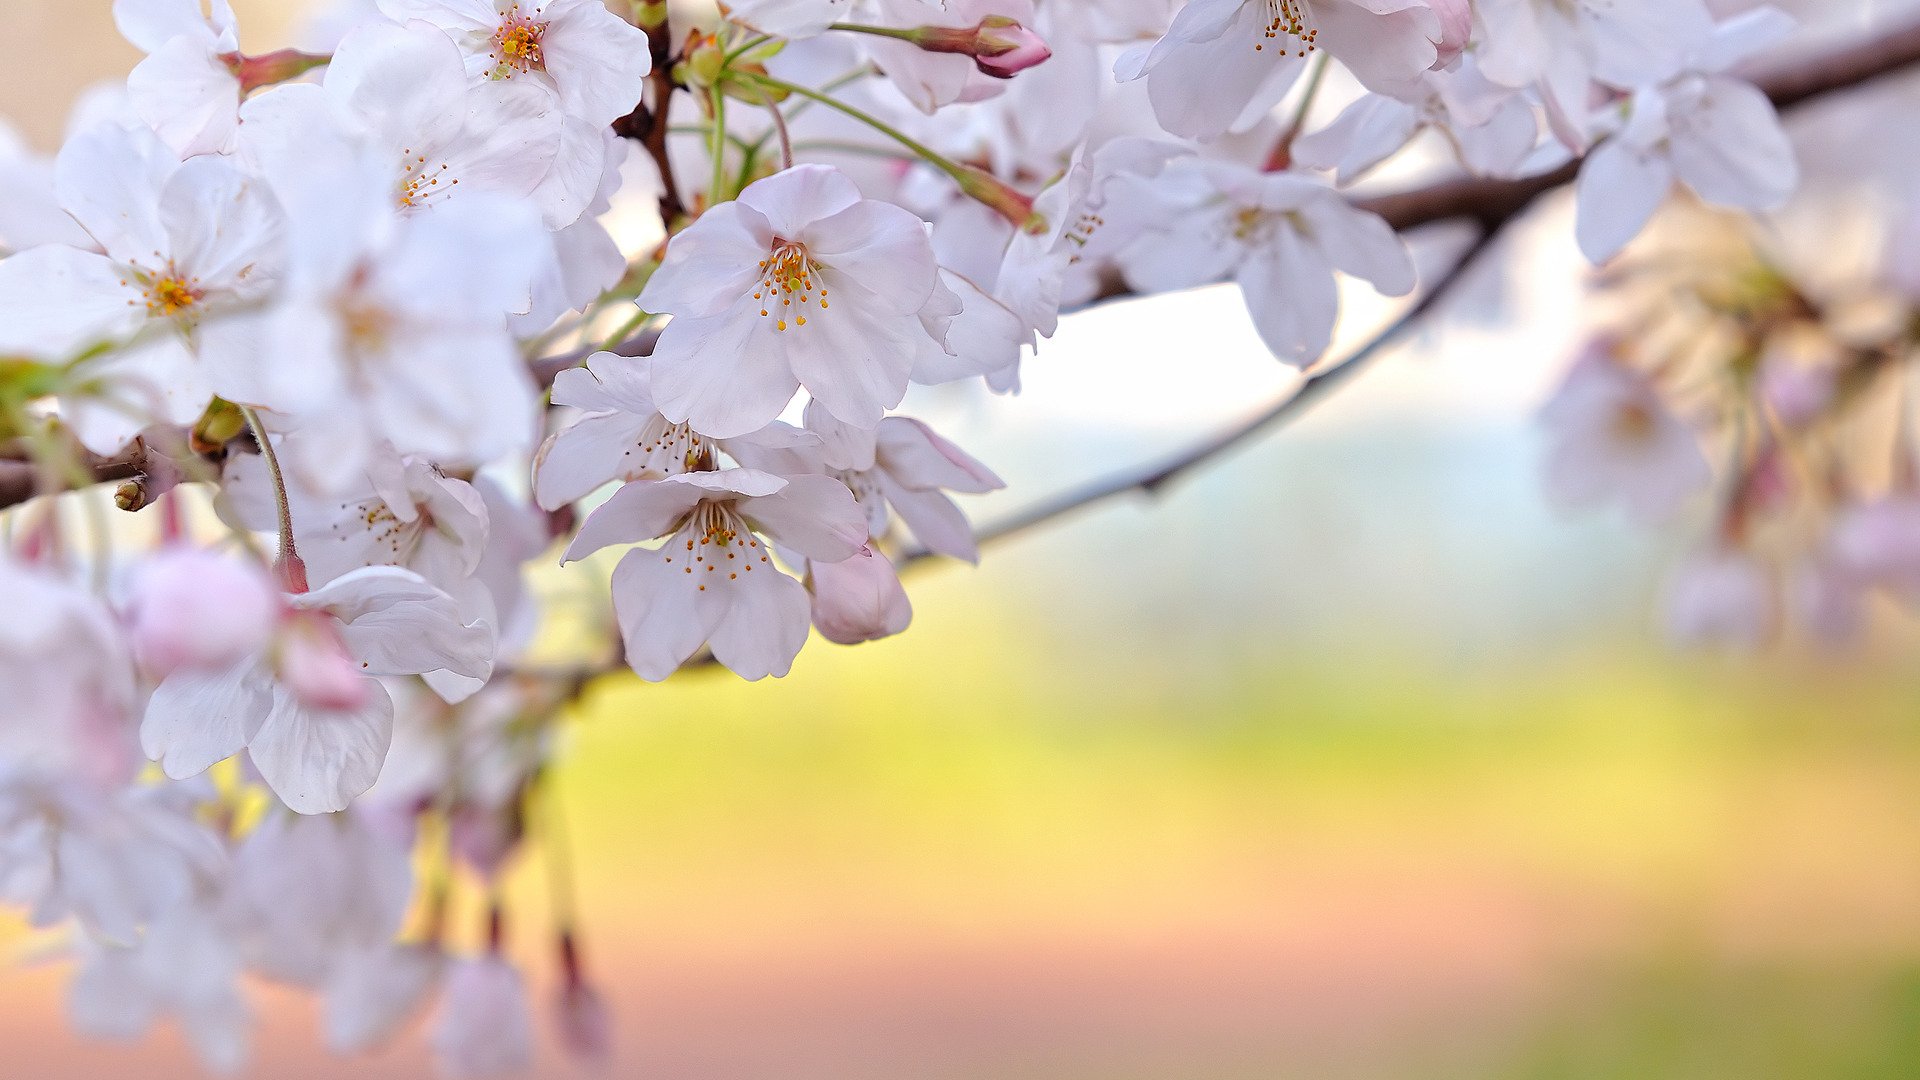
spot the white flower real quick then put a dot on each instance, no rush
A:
(485, 1025)
(1563, 46)
(393, 326)
(184, 966)
(1722, 596)
(306, 708)
(1718, 135)
(621, 434)
(594, 62)
(185, 88)
(307, 890)
(1223, 64)
(1614, 440)
(373, 992)
(1279, 236)
(400, 98)
(1492, 129)
(713, 582)
(180, 248)
(798, 283)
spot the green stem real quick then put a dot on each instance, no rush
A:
(876, 31)
(290, 566)
(921, 150)
(716, 192)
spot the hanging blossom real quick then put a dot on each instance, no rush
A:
(305, 706)
(1224, 64)
(1280, 236)
(798, 283)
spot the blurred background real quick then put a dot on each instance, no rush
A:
(1345, 759)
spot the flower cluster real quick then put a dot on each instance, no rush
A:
(370, 331)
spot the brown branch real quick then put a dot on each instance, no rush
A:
(1153, 480)
(648, 125)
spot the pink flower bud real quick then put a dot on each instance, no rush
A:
(194, 609)
(859, 599)
(1000, 46)
(1014, 48)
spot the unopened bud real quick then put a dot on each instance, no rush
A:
(650, 14)
(1000, 46)
(267, 69)
(219, 425)
(704, 62)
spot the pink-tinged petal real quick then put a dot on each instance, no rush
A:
(916, 456)
(597, 59)
(1387, 44)
(721, 375)
(795, 198)
(859, 599)
(1201, 88)
(1620, 188)
(842, 445)
(1362, 244)
(853, 360)
(814, 514)
(935, 521)
(882, 248)
(1731, 150)
(765, 624)
(664, 616)
(711, 265)
(1290, 292)
(638, 511)
(394, 623)
(196, 718)
(318, 761)
(61, 301)
(188, 95)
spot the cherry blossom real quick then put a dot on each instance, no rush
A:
(1615, 440)
(178, 245)
(798, 283)
(1224, 63)
(684, 594)
(306, 708)
(1280, 236)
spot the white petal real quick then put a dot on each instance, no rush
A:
(319, 761)
(1619, 190)
(195, 719)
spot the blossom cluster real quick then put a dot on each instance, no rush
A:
(371, 328)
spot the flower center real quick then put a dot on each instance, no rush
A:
(422, 182)
(171, 293)
(665, 449)
(715, 546)
(516, 44)
(788, 271)
(1289, 25)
